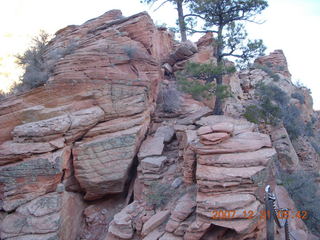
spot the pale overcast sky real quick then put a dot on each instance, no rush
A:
(291, 25)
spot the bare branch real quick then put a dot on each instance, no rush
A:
(193, 15)
(201, 31)
(161, 5)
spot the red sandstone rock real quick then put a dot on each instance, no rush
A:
(243, 142)
(97, 101)
(102, 163)
(31, 178)
(121, 226)
(152, 146)
(155, 221)
(183, 52)
(276, 61)
(11, 151)
(213, 138)
(257, 158)
(45, 218)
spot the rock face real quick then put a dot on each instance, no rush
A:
(82, 130)
(52, 216)
(228, 172)
(93, 154)
(276, 61)
(31, 178)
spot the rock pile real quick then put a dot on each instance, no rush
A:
(227, 159)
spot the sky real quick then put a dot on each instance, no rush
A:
(291, 25)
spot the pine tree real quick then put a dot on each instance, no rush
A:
(181, 17)
(225, 18)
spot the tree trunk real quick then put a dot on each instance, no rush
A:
(182, 24)
(218, 104)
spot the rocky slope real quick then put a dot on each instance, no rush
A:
(94, 155)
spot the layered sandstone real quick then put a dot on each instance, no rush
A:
(228, 169)
(81, 131)
(92, 156)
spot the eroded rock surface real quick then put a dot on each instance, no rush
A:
(81, 131)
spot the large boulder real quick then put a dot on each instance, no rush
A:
(80, 131)
(31, 178)
(52, 216)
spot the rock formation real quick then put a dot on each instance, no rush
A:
(93, 155)
(84, 127)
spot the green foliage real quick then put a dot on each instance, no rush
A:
(298, 96)
(291, 117)
(303, 189)
(266, 112)
(224, 17)
(273, 93)
(159, 194)
(197, 89)
(38, 64)
(198, 80)
(222, 92)
(254, 114)
(36, 68)
(206, 71)
(273, 106)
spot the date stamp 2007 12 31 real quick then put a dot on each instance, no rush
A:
(232, 214)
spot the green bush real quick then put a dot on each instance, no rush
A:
(298, 96)
(273, 106)
(197, 89)
(303, 189)
(222, 91)
(159, 194)
(37, 65)
(205, 71)
(199, 80)
(253, 114)
(267, 110)
(36, 69)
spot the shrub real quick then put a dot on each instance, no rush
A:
(273, 107)
(253, 114)
(222, 91)
(206, 71)
(61, 52)
(199, 80)
(308, 131)
(171, 100)
(298, 96)
(197, 89)
(159, 194)
(36, 69)
(268, 109)
(273, 93)
(303, 189)
(3, 95)
(291, 117)
(37, 65)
